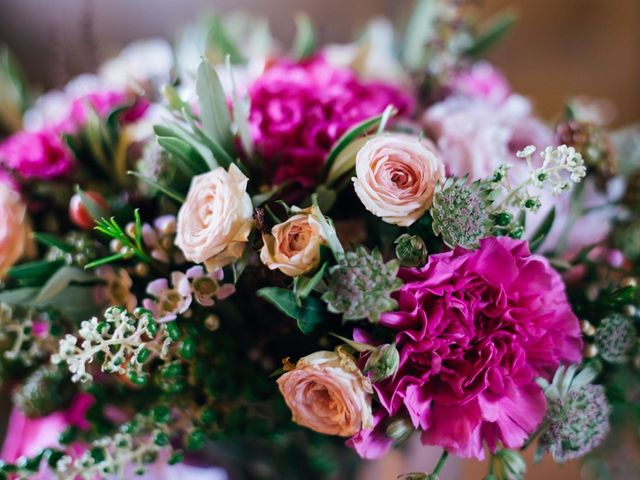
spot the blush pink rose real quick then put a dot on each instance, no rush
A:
(215, 221)
(326, 392)
(396, 177)
(15, 233)
(293, 247)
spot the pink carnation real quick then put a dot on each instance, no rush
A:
(474, 328)
(299, 110)
(41, 155)
(482, 80)
(103, 102)
(475, 135)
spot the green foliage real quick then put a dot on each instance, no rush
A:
(304, 43)
(309, 311)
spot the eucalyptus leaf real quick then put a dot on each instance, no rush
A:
(304, 42)
(309, 314)
(220, 43)
(213, 106)
(350, 135)
(420, 29)
(241, 109)
(61, 280)
(185, 152)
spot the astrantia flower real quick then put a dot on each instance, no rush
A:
(460, 212)
(577, 414)
(360, 286)
(616, 337)
(168, 302)
(299, 110)
(36, 155)
(474, 328)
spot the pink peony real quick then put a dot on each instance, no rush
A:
(28, 436)
(299, 110)
(36, 155)
(475, 135)
(482, 80)
(474, 328)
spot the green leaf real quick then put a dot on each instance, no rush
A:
(539, 236)
(304, 42)
(93, 208)
(241, 109)
(305, 285)
(36, 269)
(386, 116)
(185, 152)
(161, 188)
(264, 197)
(311, 313)
(52, 241)
(213, 106)
(326, 197)
(220, 156)
(491, 34)
(350, 135)
(61, 280)
(220, 44)
(75, 302)
(420, 29)
(346, 161)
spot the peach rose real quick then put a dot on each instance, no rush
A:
(293, 247)
(326, 392)
(396, 176)
(15, 233)
(215, 221)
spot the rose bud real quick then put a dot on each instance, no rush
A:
(78, 212)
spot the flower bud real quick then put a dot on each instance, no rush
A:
(399, 429)
(411, 250)
(508, 465)
(382, 363)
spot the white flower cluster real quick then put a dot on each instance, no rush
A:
(114, 457)
(122, 338)
(561, 167)
(16, 330)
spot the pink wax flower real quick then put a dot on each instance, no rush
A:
(474, 329)
(28, 436)
(474, 135)
(168, 302)
(299, 110)
(36, 155)
(482, 80)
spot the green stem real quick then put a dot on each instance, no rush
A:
(441, 462)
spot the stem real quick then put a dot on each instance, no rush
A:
(543, 426)
(441, 462)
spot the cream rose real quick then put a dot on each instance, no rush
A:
(215, 221)
(15, 233)
(293, 246)
(396, 176)
(326, 392)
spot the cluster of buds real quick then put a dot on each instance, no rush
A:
(593, 143)
(125, 340)
(79, 250)
(24, 334)
(141, 442)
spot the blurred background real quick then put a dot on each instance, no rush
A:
(559, 47)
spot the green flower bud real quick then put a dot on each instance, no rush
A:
(400, 429)
(508, 465)
(382, 363)
(411, 251)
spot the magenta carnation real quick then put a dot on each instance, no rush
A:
(474, 329)
(299, 110)
(103, 103)
(36, 155)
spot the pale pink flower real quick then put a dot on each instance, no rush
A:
(396, 177)
(326, 392)
(168, 302)
(15, 233)
(293, 247)
(215, 221)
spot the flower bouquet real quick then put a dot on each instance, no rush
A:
(203, 245)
